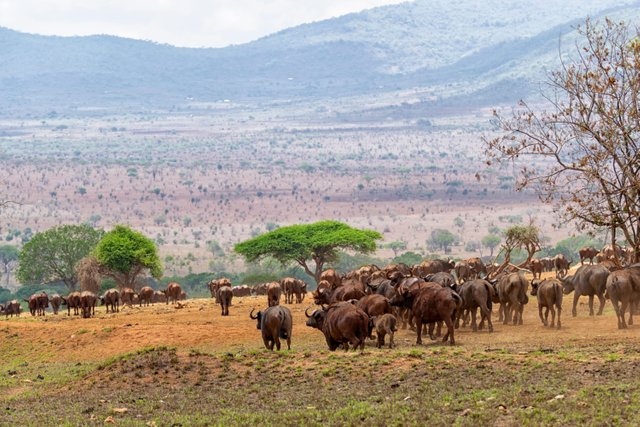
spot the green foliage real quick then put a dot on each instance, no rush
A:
(570, 246)
(441, 239)
(347, 262)
(52, 255)
(409, 258)
(396, 246)
(8, 253)
(491, 241)
(124, 251)
(319, 241)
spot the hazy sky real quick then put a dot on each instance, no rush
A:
(195, 23)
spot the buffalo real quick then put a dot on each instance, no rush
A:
(127, 296)
(342, 324)
(587, 253)
(511, 293)
(72, 301)
(561, 264)
(342, 293)
(88, 304)
(275, 322)
(274, 292)
(385, 325)
(429, 304)
(224, 297)
(623, 288)
(476, 294)
(11, 308)
(111, 299)
(549, 294)
(145, 296)
(589, 280)
(56, 302)
(173, 292)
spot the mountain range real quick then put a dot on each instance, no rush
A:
(447, 53)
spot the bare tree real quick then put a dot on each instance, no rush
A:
(582, 154)
(525, 237)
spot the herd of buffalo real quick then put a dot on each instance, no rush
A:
(424, 297)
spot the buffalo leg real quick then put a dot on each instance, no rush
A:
(474, 325)
(601, 299)
(553, 316)
(544, 322)
(576, 296)
(419, 331)
(449, 334)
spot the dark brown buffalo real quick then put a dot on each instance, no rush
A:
(274, 292)
(587, 253)
(275, 323)
(561, 263)
(241, 291)
(512, 294)
(145, 296)
(10, 308)
(332, 277)
(623, 288)
(547, 263)
(476, 294)
(430, 304)
(477, 267)
(111, 299)
(33, 304)
(288, 284)
(374, 305)
(342, 324)
(56, 301)
(549, 294)
(159, 296)
(537, 267)
(342, 293)
(127, 296)
(216, 284)
(427, 267)
(463, 271)
(442, 278)
(173, 292)
(385, 325)
(224, 297)
(72, 301)
(609, 265)
(589, 280)
(260, 289)
(382, 286)
(88, 304)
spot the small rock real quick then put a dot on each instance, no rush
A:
(109, 420)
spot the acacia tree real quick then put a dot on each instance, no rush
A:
(319, 242)
(583, 152)
(8, 259)
(51, 256)
(124, 255)
(525, 237)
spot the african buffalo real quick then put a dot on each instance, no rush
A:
(429, 304)
(587, 253)
(549, 294)
(623, 288)
(476, 294)
(72, 301)
(342, 293)
(10, 308)
(274, 292)
(511, 291)
(173, 292)
(332, 277)
(275, 323)
(127, 296)
(87, 304)
(589, 280)
(341, 323)
(56, 302)
(111, 299)
(145, 296)
(224, 297)
(385, 325)
(561, 264)
(537, 267)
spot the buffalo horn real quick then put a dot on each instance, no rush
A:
(251, 314)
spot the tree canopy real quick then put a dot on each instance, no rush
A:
(318, 242)
(125, 254)
(441, 239)
(581, 152)
(51, 256)
(9, 255)
(519, 237)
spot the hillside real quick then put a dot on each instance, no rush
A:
(489, 52)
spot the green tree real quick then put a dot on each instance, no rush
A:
(51, 256)
(441, 239)
(124, 254)
(318, 242)
(491, 241)
(519, 238)
(8, 259)
(396, 246)
(409, 258)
